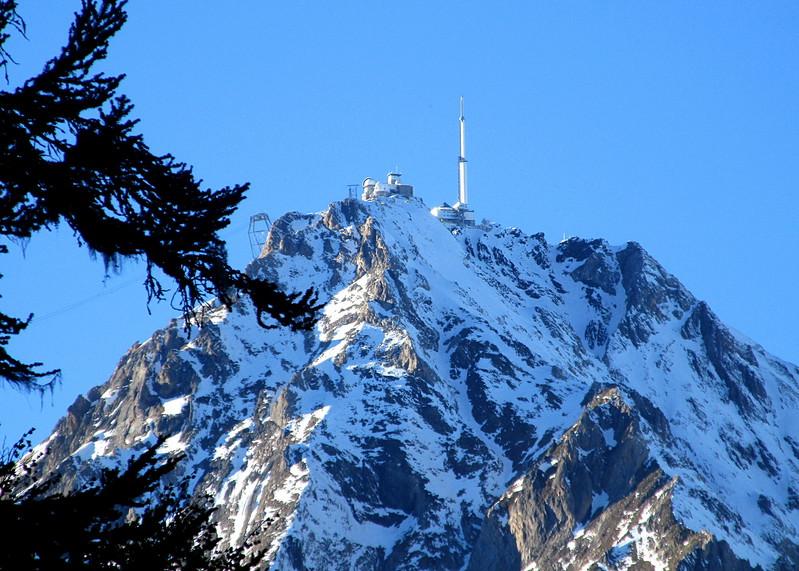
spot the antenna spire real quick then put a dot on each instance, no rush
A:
(463, 196)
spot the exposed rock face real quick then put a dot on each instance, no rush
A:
(596, 498)
(479, 401)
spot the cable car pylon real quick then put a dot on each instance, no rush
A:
(259, 230)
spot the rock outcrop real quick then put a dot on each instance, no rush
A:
(484, 400)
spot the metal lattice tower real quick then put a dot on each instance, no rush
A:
(259, 230)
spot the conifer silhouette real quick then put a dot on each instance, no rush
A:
(69, 154)
(126, 520)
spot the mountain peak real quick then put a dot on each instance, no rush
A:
(472, 399)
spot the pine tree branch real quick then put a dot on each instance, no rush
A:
(69, 154)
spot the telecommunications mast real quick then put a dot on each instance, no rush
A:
(458, 214)
(463, 197)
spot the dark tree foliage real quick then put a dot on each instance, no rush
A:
(12, 370)
(95, 527)
(69, 154)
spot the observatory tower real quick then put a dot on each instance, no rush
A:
(458, 214)
(373, 189)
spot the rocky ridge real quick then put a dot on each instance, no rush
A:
(484, 400)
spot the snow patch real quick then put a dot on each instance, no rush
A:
(172, 444)
(610, 437)
(301, 428)
(110, 395)
(294, 484)
(175, 406)
(598, 502)
(224, 450)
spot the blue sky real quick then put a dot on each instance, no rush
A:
(672, 124)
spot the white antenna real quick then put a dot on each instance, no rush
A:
(463, 196)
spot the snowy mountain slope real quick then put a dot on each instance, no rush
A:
(484, 400)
